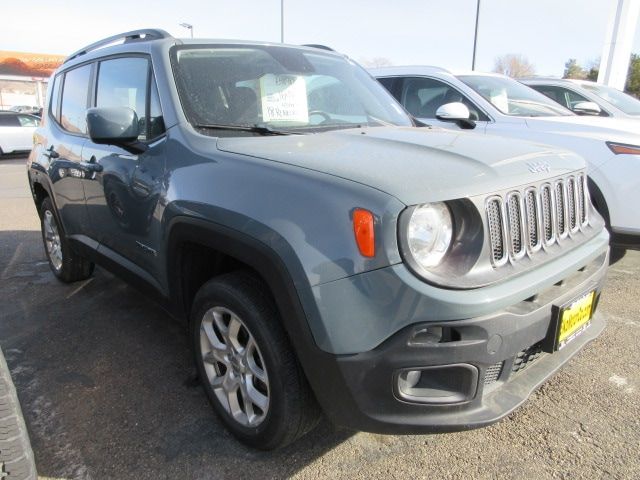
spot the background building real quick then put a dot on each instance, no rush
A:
(24, 77)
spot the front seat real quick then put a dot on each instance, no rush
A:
(412, 101)
(244, 106)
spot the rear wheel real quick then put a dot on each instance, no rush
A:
(246, 364)
(65, 264)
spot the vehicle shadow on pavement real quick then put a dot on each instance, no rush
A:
(107, 383)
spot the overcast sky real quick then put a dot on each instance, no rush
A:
(433, 32)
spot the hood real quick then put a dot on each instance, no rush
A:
(625, 130)
(415, 165)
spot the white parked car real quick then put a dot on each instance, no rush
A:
(587, 98)
(16, 131)
(496, 104)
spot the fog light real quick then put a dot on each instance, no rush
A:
(441, 384)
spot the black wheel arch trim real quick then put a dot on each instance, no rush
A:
(321, 368)
(600, 203)
(38, 175)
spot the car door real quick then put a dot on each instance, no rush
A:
(422, 96)
(61, 153)
(28, 125)
(9, 132)
(123, 192)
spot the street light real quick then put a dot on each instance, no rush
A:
(188, 26)
(475, 37)
(281, 21)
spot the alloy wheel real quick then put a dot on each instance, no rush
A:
(52, 240)
(234, 366)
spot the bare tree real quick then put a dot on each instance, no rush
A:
(375, 62)
(514, 65)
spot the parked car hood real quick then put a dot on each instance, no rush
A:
(612, 129)
(414, 165)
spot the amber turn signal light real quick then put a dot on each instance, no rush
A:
(623, 148)
(363, 230)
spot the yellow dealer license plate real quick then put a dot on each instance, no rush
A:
(575, 319)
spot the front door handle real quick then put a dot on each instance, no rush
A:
(91, 166)
(51, 153)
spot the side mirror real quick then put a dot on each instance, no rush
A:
(586, 108)
(115, 126)
(456, 112)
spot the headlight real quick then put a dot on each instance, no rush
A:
(429, 233)
(623, 148)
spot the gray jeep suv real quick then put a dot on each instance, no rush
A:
(326, 254)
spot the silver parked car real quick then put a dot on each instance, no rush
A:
(489, 103)
(16, 131)
(587, 98)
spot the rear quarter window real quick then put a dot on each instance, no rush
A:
(54, 101)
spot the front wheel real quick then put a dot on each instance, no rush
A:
(246, 365)
(64, 262)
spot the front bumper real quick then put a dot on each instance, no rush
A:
(362, 390)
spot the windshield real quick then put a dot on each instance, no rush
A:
(628, 104)
(514, 98)
(280, 88)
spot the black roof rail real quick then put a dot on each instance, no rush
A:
(317, 45)
(133, 36)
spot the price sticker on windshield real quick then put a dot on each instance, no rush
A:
(284, 98)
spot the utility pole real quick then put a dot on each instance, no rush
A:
(475, 36)
(281, 21)
(189, 27)
(614, 62)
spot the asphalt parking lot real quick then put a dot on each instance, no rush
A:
(107, 389)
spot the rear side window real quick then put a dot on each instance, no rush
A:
(73, 115)
(387, 82)
(28, 121)
(9, 121)
(124, 82)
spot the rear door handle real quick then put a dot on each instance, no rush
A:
(51, 153)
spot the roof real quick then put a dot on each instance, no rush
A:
(142, 41)
(424, 70)
(554, 80)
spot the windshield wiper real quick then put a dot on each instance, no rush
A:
(261, 129)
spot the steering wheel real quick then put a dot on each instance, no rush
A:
(325, 116)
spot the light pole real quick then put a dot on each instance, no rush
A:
(281, 21)
(188, 26)
(475, 37)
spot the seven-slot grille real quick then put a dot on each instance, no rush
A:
(524, 221)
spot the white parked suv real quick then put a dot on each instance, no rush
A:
(16, 131)
(496, 104)
(587, 98)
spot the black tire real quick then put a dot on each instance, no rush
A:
(73, 267)
(292, 409)
(16, 455)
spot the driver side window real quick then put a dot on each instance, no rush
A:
(423, 96)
